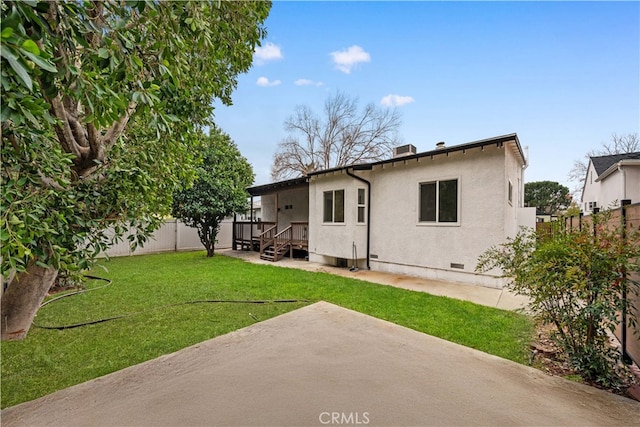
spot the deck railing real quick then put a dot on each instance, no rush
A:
(267, 237)
(300, 233)
(281, 241)
(246, 234)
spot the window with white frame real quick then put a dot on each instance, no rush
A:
(333, 206)
(362, 204)
(439, 201)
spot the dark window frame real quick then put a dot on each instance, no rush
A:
(333, 203)
(435, 205)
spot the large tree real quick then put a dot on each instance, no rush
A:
(619, 144)
(343, 136)
(219, 189)
(102, 105)
(547, 196)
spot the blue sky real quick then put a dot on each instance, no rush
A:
(563, 75)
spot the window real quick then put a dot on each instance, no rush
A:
(333, 206)
(361, 206)
(439, 201)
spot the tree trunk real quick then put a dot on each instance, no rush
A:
(210, 251)
(207, 236)
(22, 299)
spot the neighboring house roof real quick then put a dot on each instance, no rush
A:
(606, 165)
(629, 159)
(602, 163)
(498, 140)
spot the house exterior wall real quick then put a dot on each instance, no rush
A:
(400, 243)
(611, 191)
(328, 241)
(623, 183)
(293, 205)
(633, 183)
(591, 190)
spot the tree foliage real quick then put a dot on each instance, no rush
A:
(619, 144)
(102, 102)
(343, 136)
(574, 281)
(219, 189)
(547, 196)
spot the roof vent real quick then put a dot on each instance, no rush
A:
(404, 150)
(440, 145)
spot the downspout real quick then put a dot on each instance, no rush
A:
(524, 168)
(624, 181)
(368, 212)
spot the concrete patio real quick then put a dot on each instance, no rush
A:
(326, 365)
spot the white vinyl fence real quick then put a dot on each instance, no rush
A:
(173, 235)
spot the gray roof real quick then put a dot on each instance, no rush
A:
(602, 163)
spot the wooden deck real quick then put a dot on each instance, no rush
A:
(265, 238)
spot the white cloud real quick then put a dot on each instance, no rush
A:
(263, 81)
(268, 52)
(396, 100)
(307, 82)
(348, 58)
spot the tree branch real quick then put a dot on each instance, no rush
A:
(65, 134)
(49, 182)
(112, 135)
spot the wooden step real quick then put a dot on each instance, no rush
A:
(269, 253)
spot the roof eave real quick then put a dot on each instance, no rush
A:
(260, 190)
(498, 140)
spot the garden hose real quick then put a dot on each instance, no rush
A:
(121, 316)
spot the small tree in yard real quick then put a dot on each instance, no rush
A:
(574, 281)
(219, 190)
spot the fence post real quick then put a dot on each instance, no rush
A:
(626, 359)
(234, 246)
(580, 221)
(176, 236)
(596, 211)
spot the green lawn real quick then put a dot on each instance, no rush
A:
(49, 360)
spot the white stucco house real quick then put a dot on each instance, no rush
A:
(428, 214)
(610, 179)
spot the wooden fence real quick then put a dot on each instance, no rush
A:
(628, 217)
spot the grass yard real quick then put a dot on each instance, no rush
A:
(49, 360)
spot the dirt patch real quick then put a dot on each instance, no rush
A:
(547, 356)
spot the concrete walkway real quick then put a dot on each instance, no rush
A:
(326, 365)
(492, 297)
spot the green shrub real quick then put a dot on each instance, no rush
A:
(574, 280)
